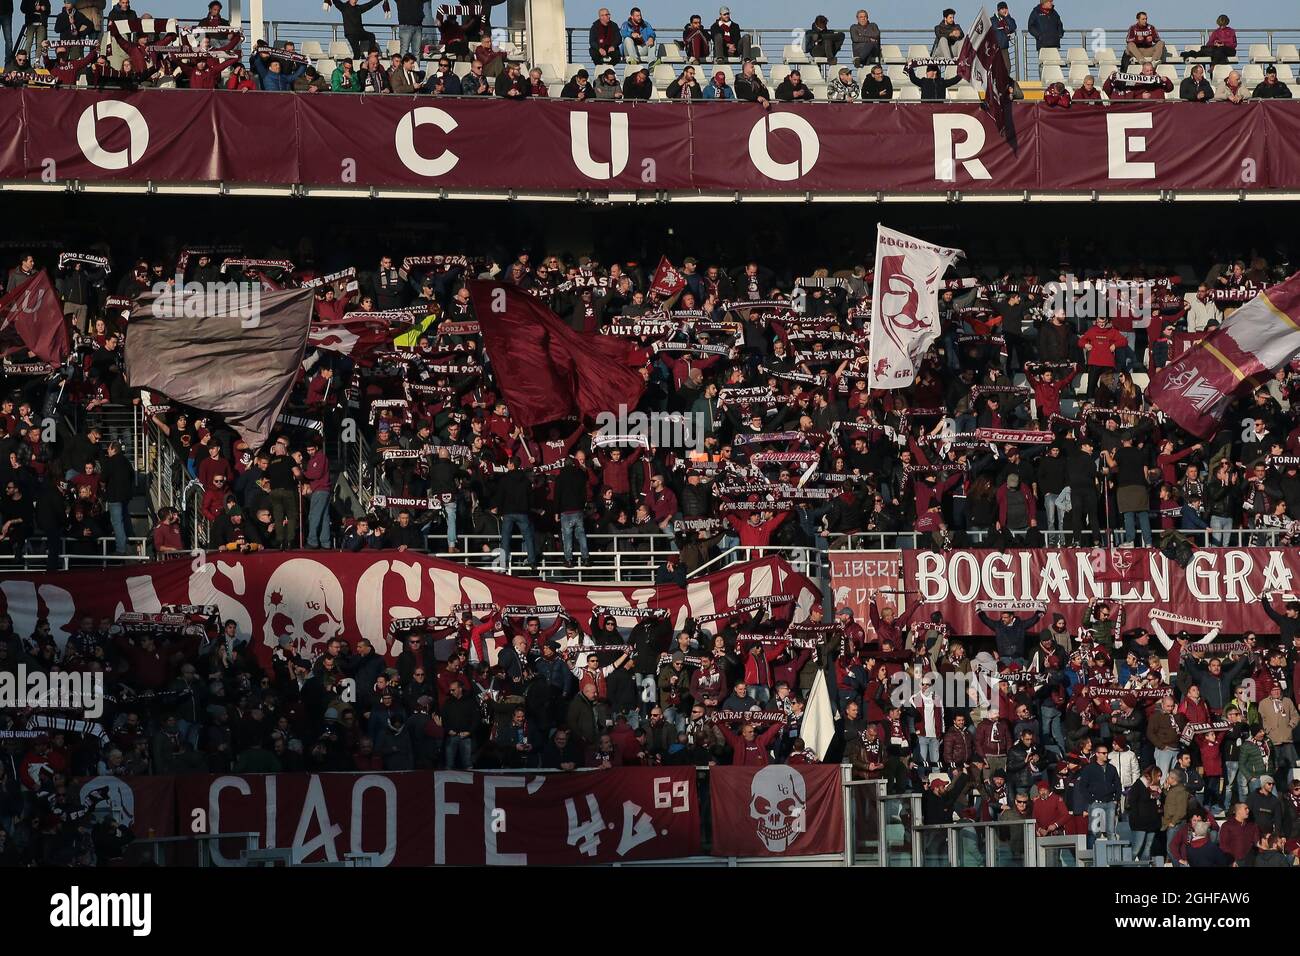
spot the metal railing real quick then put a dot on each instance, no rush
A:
(198, 849)
(912, 540)
(1025, 61)
(607, 562)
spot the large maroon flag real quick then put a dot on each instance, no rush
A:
(1254, 342)
(547, 370)
(32, 318)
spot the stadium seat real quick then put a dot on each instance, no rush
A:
(663, 75)
(1077, 73)
(1171, 50)
(917, 52)
(794, 54)
(339, 49)
(1052, 74)
(555, 89)
(671, 53)
(892, 53)
(1049, 56)
(1260, 53)
(1252, 74)
(550, 74)
(1077, 54)
(1288, 53)
(1221, 70)
(1284, 73)
(570, 69)
(898, 73)
(908, 93)
(963, 93)
(393, 46)
(756, 54)
(1169, 71)
(326, 67)
(312, 49)
(1107, 55)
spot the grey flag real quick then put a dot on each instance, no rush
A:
(232, 351)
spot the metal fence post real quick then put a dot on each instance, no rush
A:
(850, 824)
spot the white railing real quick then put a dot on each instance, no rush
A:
(608, 563)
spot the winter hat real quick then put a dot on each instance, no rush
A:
(1044, 785)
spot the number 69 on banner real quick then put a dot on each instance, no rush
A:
(665, 797)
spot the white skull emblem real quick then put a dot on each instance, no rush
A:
(105, 797)
(303, 602)
(778, 799)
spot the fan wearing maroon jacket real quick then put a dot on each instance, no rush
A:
(1143, 43)
(1048, 388)
(749, 749)
(1088, 92)
(757, 531)
(64, 70)
(1057, 95)
(887, 625)
(1149, 86)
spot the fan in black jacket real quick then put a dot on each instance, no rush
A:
(877, 86)
(511, 84)
(932, 86)
(749, 86)
(793, 90)
(1195, 88)
(578, 88)
(351, 11)
(638, 86)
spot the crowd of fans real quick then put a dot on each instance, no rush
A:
(770, 434)
(432, 40)
(794, 449)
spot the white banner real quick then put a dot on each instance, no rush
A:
(905, 304)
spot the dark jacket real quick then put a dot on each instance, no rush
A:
(1011, 639)
(932, 88)
(352, 16)
(1096, 783)
(119, 478)
(514, 493)
(1144, 814)
(1045, 26)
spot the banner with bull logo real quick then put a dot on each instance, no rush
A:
(904, 305)
(312, 597)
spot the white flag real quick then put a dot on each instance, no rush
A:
(904, 305)
(818, 727)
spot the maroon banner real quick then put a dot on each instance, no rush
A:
(777, 810)
(311, 597)
(937, 147)
(1131, 145)
(424, 142)
(433, 143)
(1227, 584)
(599, 816)
(318, 817)
(855, 574)
(144, 805)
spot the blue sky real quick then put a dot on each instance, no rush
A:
(1077, 14)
